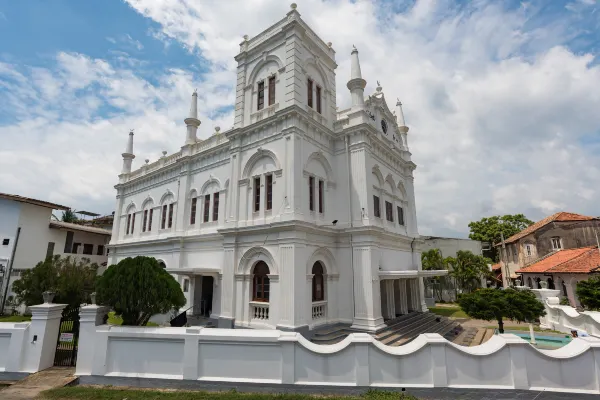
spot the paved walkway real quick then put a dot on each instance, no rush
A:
(34, 384)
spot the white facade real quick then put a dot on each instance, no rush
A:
(39, 236)
(232, 217)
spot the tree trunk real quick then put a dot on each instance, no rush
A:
(500, 325)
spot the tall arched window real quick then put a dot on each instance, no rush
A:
(260, 282)
(550, 283)
(564, 289)
(318, 283)
(529, 283)
(539, 283)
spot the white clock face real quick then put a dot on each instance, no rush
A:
(384, 126)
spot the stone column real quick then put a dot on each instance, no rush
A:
(226, 317)
(403, 296)
(43, 335)
(422, 305)
(89, 318)
(397, 296)
(367, 294)
(288, 287)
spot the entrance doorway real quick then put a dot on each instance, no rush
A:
(203, 294)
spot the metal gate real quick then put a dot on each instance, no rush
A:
(68, 338)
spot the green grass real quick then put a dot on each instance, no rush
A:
(117, 320)
(15, 318)
(525, 328)
(94, 393)
(453, 312)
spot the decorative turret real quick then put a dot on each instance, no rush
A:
(400, 117)
(128, 156)
(192, 121)
(356, 84)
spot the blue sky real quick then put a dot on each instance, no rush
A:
(501, 96)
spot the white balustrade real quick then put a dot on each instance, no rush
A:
(260, 311)
(319, 309)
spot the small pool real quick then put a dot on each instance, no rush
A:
(544, 341)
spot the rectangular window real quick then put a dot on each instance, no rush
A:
(76, 247)
(216, 206)
(88, 249)
(269, 191)
(556, 245)
(321, 188)
(528, 249)
(145, 221)
(376, 209)
(260, 104)
(163, 220)
(257, 194)
(150, 220)
(186, 285)
(50, 250)
(5, 242)
(128, 224)
(271, 90)
(311, 193)
(193, 211)
(132, 222)
(206, 207)
(100, 251)
(389, 214)
(69, 242)
(170, 215)
(310, 92)
(319, 99)
(400, 215)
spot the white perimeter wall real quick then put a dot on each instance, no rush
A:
(505, 361)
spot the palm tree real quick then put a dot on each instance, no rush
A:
(433, 260)
(69, 216)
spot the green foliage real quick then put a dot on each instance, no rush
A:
(496, 304)
(69, 216)
(490, 229)
(72, 280)
(564, 301)
(137, 288)
(432, 260)
(454, 312)
(468, 270)
(588, 293)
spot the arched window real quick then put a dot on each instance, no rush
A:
(539, 283)
(564, 289)
(318, 283)
(529, 282)
(162, 265)
(550, 283)
(260, 282)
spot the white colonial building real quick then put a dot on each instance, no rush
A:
(301, 215)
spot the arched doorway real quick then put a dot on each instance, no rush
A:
(539, 283)
(529, 283)
(550, 283)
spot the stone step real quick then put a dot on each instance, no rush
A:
(429, 326)
(406, 326)
(326, 330)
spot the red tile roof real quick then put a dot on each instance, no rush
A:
(558, 217)
(496, 266)
(574, 261)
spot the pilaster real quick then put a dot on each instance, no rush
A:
(43, 335)
(226, 317)
(367, 304)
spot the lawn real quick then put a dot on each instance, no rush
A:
(524, 328)
(116, 320)
(15, 318)
(452, 312)
(94, 393)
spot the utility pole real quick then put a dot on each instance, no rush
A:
(503, 253)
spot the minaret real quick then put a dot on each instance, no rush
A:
(356, 84)
(128, 156)
(400, 118)
(192, 121)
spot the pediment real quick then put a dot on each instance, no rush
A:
(383, 118)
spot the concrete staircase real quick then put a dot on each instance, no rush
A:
(397, 332)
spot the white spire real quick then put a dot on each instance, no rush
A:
(356, 84)
(192, 121)
(400, 117)
(128, 156)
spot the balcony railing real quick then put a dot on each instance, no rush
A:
(259, 311)
(319, 309)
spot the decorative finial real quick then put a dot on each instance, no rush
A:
(293, 6)
(354, 48)
(217, 129)
(245, 37)
(147, 161)
(329, 44)
(164, 153)
(399, 103)
(195, 92)
(131, 131)
(378, 84)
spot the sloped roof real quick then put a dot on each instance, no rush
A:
(496, 266)
(77, 227)
(558, 217)
(573, 261)
(29, 200)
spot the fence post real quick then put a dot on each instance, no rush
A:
(89, 318)
(43, 335)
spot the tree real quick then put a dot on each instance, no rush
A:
(138, 288)
(495, 304)
(468, 270)
(72, 280)
(432, 260)
(69, 216)
(588, 293)
(490, 229)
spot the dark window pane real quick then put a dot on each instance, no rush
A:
(376, 210)
(318, 99)
(100, 250)
(88, 249)
(271, 90)
(216, 206)
(321, 188)
(193, 211)
(256, 194)
(311, 193)
(269, 191)
(68, 242)
(206, 207)
(171, 215)
(310, 93)
(50, 250)
(261, 96)
(164, 217)
(150, 220)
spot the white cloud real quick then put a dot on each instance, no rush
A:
(501, 112)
